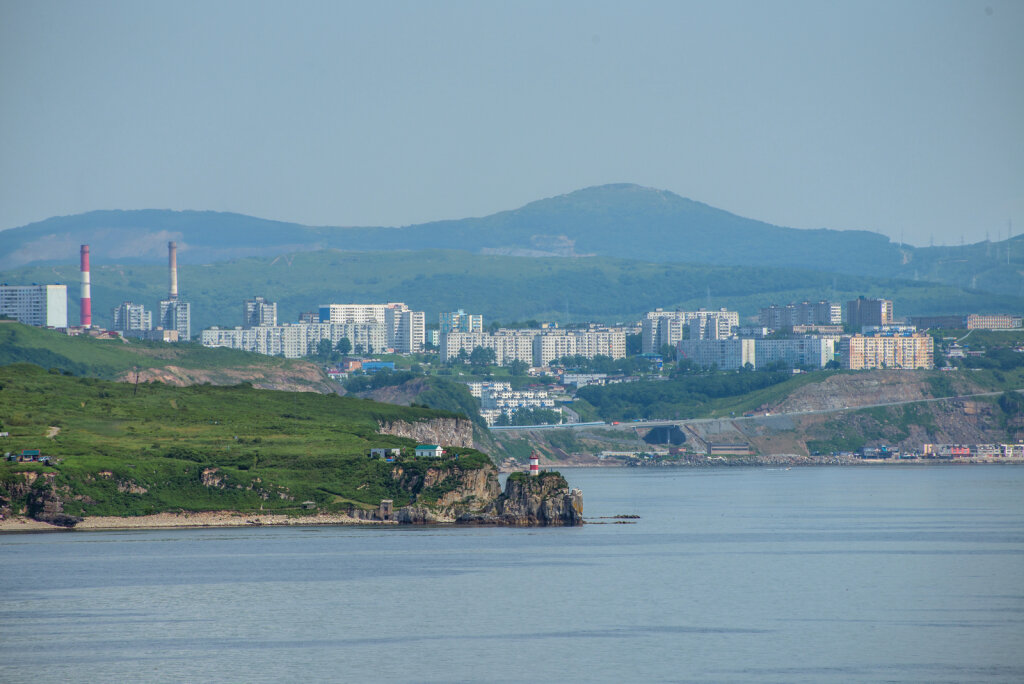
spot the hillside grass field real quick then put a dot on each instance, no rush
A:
(124, 450)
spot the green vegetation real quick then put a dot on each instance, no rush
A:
(128, 452)
(112, 358)
(692, 396)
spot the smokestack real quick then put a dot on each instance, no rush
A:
(172, 258)
(86, 301)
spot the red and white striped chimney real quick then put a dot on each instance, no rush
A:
(534, 464)
(86, 313)
(172, 262)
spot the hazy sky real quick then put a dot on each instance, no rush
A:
(888, 116)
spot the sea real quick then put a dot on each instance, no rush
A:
(804, 574)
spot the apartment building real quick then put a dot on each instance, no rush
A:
(992, 322)
(406, 329)
(39, 305)
(298, 339)
(863, 312)
(802, 314)
(498, 398)
(508, 344)
(258, 311)
(660, 328)
(131, 318)
(460, 321)
(888, 350)
(735, 353)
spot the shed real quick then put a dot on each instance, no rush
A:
(429, 451)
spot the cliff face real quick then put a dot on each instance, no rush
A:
(37, 496)
(532, 502)
(447, 431)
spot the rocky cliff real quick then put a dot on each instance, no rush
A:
(445, 431)
(532, 501)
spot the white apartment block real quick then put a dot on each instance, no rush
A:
(498, 398)
(660, 328)
(298, 339)
(735, 353)
(40, 305)
(176, 314)
(537, 347)
(129, 318)
(405, 328)
(258, 311)
(460, 321)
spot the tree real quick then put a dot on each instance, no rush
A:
(668, 352)
(634, 344)
(518, 367)
(463, 356)
(482, 357)
(324, 349)
(344, 345)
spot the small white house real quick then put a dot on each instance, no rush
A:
(429, 451)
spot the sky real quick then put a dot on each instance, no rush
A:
(901, 117)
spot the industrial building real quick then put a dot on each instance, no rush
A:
(39, 305)
(175, 313)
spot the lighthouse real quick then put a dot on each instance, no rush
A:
(534, 464)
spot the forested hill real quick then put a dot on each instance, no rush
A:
(502, 288)
(620, 220)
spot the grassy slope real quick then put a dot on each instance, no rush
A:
(110, 358)
(500, 287)
(303, 445)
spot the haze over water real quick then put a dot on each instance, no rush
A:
(805, 575)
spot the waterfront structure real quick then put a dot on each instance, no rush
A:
(175, 313)
(735, 353)
(660, 327)
(888, 350)
(804, 313)
(863, 312)
(459, 321)
(258, 311)
(992, 322)
(39, 305)
(404, 328)
(129, 319)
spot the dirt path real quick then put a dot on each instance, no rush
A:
(52, 431)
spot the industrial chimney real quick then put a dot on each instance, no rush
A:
(86, 302)
(172, 257)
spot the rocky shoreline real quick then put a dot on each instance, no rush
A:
(184, 520)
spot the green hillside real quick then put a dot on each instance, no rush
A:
(112, 358)
(130, 452)
(502, 288)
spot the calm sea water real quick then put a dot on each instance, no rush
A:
(909, 574)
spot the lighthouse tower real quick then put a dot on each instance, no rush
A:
(534, 464)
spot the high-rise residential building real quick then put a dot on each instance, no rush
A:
(258, 311)
(132, 318)
(802, 314)
(735, 353)
(992, 321)
(176, 314)
(39, 305)
(862, 312)
(660, 328)
(537, 347)
(405, 328)
(460, 321)
(888, 350)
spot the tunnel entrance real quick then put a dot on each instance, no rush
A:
(667, 434)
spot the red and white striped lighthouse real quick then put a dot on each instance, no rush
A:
(534, 464)
(86, 301)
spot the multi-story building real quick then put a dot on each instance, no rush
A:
(805, 313)
(498, 398)
(298, 339)
(993, 321)
(258, 311)
(176, 314)
(405, 329)
(944, 322)
(862, 312)
(460, 321)
(660, 328)
(888, 350)
(735, 353)
(40, 305)
(537, 347)
(132, 318)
